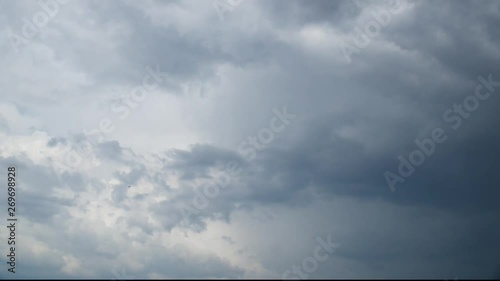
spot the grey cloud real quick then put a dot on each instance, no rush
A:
(353, 120)
(55, 141)
(300, 12)
(196, 162)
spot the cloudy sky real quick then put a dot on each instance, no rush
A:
(254, 135)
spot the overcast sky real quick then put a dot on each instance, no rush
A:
(248, 131)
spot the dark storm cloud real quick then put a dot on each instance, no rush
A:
(133, 42)
(139, 44)
(450, 52)
(354, 120)
(197, 162)
(345, 167)
(462, 42)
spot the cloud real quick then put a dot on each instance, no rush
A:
(222, 79)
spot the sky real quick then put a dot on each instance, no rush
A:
(251, 138)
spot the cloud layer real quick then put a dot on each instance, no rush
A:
(222, 185)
